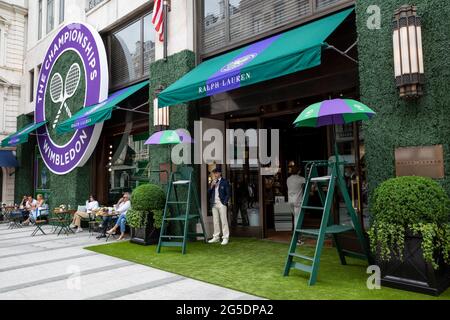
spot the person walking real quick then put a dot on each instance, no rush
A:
(219, 195)
(241, 197)
(295, 184)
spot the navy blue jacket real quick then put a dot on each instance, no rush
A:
(224, 193)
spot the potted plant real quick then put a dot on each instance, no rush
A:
(410, 234)
(145, 217)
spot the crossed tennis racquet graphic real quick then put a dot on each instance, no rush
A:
(61, 92)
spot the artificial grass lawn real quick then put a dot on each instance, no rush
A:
(256, 267)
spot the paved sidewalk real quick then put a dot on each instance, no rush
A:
(52, 267)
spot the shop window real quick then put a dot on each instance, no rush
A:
(132, 49)
(128, 164)
(1, 183)
(92, 4)
(50, 15)
(226, 22)
(2, 47)
(62, 9)
(31, 76)
(40, 20)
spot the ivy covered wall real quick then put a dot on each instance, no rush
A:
(25, 156)
(166, 73)
(401, 123)
(73, 188)
(183, 116)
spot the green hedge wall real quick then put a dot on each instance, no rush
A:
(401, 123)
(72, 188)
(25, 156)
(166, 73)
(183, 116)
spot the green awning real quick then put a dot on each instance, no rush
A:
(280, 55)
(22, 135)
(101, 112)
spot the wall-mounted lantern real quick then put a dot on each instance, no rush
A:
(161, 119)
(408, 52)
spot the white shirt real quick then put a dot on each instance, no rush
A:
(295, 189)
(217, 199)
(30, 205)
(90, 206)
(123, 207)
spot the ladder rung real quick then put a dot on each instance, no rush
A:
(181, 182)
(172, 237)
(313, 208)
(171, 244)
(321, 179)
(191, 217)
(336, 229)
(196, 234)
(177, 202)
(354, 254)
(295, 255)
(302, 267)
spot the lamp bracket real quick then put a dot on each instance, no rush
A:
(345, 53)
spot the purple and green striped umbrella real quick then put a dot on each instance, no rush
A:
(170, 137)
(334, 112)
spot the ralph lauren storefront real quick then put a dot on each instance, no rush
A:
(362, 33)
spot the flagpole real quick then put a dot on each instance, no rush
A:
(166, 17)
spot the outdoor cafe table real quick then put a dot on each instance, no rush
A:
(63, 219)
(103, 214)
(13, 215)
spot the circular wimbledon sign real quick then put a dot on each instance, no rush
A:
(74, 75)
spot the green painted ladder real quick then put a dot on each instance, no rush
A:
(183, 211)
(327, 228)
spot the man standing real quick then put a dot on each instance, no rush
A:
(295, 184)
(241, 196)
(219, 195)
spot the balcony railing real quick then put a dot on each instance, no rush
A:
(92, 4)
(248, 19)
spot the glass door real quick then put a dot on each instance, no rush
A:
(350, 143)
(246, 210)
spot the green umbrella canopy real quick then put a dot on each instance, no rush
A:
(334, 112)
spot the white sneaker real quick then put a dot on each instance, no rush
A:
(72, 226)
(225, 242)
(79, 230)
(215, 240)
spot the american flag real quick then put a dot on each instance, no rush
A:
(158, 18)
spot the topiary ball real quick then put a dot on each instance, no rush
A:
(148, 197)
(410, 200)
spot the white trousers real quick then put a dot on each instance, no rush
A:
(220, 217)
(297, 208)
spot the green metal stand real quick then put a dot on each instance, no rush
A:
(326, 228)
(184, 211)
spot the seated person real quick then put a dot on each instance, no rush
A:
(107, 220)
(34, 207)
(22, 208)
(91, 205)
(122, 208)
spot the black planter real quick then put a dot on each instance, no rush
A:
(145, 236)
(414, 273)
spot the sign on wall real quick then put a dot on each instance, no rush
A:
(420, 161)
(74, 75)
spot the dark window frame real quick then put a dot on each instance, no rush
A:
(62, 11)
(50, 20)
(108, 44)
(32, 76)
(230, 44)
(40, 18)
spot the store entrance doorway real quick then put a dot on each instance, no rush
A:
(297, 146)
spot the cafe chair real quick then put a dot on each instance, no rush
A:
(41, 221)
